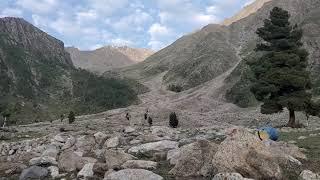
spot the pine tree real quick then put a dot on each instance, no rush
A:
(282, 80)
(71, 117)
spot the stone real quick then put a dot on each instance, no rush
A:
(162, 131)
(100, 138)
(133, 174)
(70, 142)
(34, 172)
(309, 175)
(173, 156)
(70, 161)
(129, 129)
(62, 137)
(85, 144)
(86, 172)
(115, 158)
(100, 168)
(54, 171)
(150, 148)
(51, 151)
(140, 164)
(136, 141)
(302, 137)
(194, 159)
(228, 176)
(43, 161)
(112, 142)
(244, 152)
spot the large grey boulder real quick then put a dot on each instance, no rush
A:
(115, 158)
(149, 148)
(140, 164)
(54, 171)
(133, 174)
(246, 153)
(70, 161)
(34, 172)
(85, 144)
(194, 159)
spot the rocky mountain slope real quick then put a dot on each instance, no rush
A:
(205, 54)
(38, 80)
(108, 57)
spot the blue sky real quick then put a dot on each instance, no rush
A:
(89, 24)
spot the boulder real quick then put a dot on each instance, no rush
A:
(149, 148)
(140, 164)
(112, 142)
(62, 137)
(86, 172)
(194, 159)
(133, 174)
(85, 144)
(43, 161)
(100, 138)
(244, 152)
(309, 175)
(34, 172)
(69, 143)
(100, 169)
(229, 176)
(70, 161)
(115, 158)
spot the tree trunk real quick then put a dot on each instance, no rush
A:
(292, 118)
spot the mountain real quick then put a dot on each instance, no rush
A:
(38, 80)
(201, 56)
(108, 57)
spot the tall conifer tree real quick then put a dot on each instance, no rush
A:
(282, 80)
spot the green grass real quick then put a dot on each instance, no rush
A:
(311, 144)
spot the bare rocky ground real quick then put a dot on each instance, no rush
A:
(106, 145)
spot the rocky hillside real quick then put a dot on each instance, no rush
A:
(38, 80)
(108, 57)
(205, 54)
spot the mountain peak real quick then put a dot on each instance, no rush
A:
(246, 11)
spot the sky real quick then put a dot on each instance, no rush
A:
(90, 24)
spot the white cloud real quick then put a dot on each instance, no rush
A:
(38, 6)
(135, 21)
(11, 12)
(84, 17)
(121, 42)
(107, 7)
(159, 36)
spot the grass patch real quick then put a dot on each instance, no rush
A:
(311, 144)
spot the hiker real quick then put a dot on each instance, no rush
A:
(146, 115)
(150, 121)
(128, 116)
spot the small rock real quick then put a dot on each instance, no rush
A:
(309, 175)
(54, 171)
(133, 174)
(100, 168)
(159, 146)
(129, 129)
(140, 164)
(228, 176)
(112, 142)
(34, 172)
(43, 161)
(100, 138)
(302, 137)
(51, 151)
(292, 142)
(313, 135)
(86, 172)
